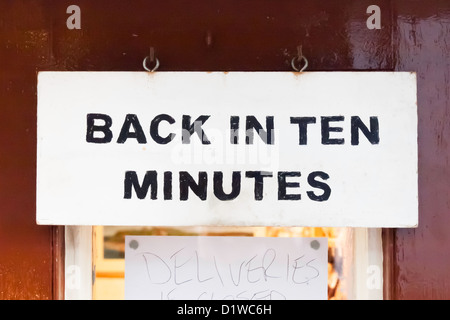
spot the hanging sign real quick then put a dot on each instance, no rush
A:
(225, 268)
(238, 148)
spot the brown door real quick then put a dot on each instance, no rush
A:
(221, 35)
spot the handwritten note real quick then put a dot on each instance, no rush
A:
(225, 268)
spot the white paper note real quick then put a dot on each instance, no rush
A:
(225, 268)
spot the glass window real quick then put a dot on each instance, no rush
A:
(354, 255)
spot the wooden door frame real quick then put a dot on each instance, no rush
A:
(388, 242)
(58, 263)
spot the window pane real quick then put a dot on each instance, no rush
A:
(109, 252)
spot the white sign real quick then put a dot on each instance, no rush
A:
(238, 148)
(225, 268)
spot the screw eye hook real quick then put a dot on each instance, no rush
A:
(153, 59)
(144, 64)
(298, 59)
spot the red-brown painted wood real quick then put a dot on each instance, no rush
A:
(220, 35)
(422, 44)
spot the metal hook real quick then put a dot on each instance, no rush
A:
(298, 58)
(299, 51)
(152, 59)
(144, 64)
